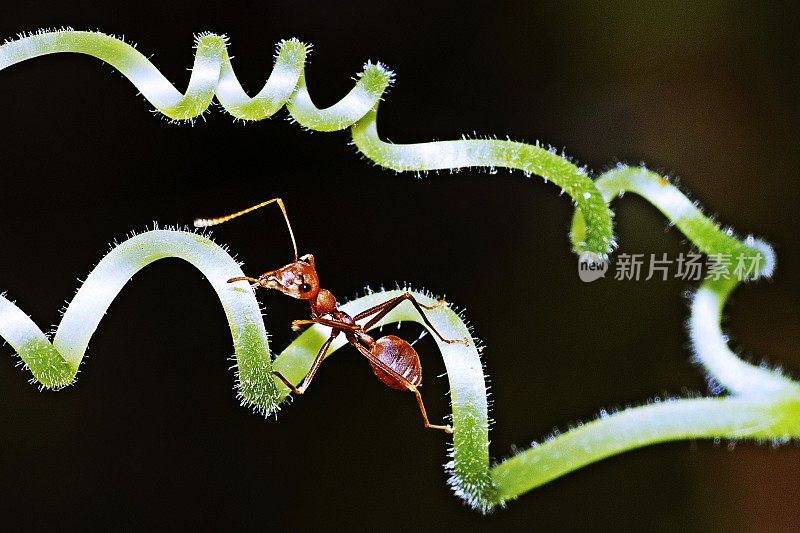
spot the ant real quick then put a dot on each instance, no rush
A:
(393, 360)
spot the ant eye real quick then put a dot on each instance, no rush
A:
(305, 287)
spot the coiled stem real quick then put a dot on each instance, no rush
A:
(213, 76)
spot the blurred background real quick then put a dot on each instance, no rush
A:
(152, 434)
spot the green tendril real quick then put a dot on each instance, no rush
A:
(761, 403)
(213, 76)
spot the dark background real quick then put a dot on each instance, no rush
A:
(152, 434)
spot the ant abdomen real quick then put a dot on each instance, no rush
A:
(401, 357)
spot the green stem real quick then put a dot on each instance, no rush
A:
(731, 418)
(56, 365)
(213, 75)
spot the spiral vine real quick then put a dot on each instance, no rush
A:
(212, 76)
(760, 404)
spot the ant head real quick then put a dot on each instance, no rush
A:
(298, 280)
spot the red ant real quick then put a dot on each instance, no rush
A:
(393, 360)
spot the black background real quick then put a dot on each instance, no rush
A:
(152, 434)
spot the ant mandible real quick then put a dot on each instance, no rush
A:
(393, 360)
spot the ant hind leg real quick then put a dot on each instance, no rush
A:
(447, 429)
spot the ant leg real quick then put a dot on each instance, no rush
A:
(314, 367)
(287, 383)
(374, 309)
(336, 324)
(410, 386)
(446, 429)
(383, 309)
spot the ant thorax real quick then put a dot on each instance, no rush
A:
(325, 302)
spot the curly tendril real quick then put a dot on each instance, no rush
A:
(213, 76)
(761, 403)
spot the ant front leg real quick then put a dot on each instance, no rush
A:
(314, 366)
(383, 309)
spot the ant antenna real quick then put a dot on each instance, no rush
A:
(206, 222)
